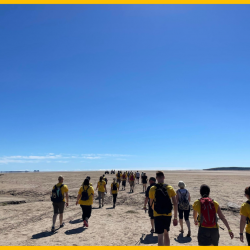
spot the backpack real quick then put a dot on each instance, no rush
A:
(208, 216)
(118, 175)
(57, 194)
(162, 203)
(85, 195)
(248, 220)
(114, 186)
(124, 176)
(132, 178)
(183, 202)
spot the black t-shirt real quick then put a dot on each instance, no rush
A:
(147, 191)
(144, 179)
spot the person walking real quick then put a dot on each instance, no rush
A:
(161, 196)
(208, 233)
(245, 217)
(124, 180)
(101, 186)
(152, 181)
(144, 181)
(85, 199)
(59, 193)
(132, 182)
(137, 175)
(183, 199)
(114, 191)
(118, 176)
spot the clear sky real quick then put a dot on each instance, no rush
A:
(90, 87)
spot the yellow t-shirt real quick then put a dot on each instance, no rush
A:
(101, 186)
(64, 189)
(197, 207)
(245, 210)
(120, 176)
(171, 194)
(90, 191)
(114, 191)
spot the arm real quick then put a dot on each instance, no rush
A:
(222, 217)
(195, 213)
(189, 197)
(97, 186)
(145, 203)
(67, 198)
(174, 200)
(77, 199)
(242, 225)
(105, 188)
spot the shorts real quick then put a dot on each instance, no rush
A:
(161, 223)
(58, 207)
(150, 212)
(124, 183)
(208, 236)
(144, 182)
(137, 178)
(186, 213)
(132, 183)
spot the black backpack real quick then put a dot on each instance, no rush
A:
(162, 203)
(119, 175)
(85, 195)
(57, 194)
(114, 186)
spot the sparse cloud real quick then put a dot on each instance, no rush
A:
(59, 158)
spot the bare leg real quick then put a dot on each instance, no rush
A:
(152, 223)
(166, 238)
(54, 219)
(61, 219)
(160, 239)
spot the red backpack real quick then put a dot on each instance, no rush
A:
(208, 213)
(124, 176)
(132, 178)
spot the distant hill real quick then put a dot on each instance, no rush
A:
(230, 168)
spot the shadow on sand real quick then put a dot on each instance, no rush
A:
(109, 208)
(43, 235)
(149, 239)
(76, 221)
(75, 231)
(182, 239)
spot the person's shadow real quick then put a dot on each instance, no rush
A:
(148, 239)
(109, 208)
(75, 231)
(76, 221)
(181, 239)
(43, 235)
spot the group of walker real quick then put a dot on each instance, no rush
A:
(161, 199)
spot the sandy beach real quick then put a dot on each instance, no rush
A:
(26, 210)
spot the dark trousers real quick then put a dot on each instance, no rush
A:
(186, 213)
(248, 238)
(86, 211)
(114, 198)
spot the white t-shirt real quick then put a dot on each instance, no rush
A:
(137, 174)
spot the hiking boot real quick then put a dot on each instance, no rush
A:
(102, 204)
(114, 206)
(189, 234)
(53, 229)
(62, 225)
(99, 206)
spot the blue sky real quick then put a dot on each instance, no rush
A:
(89, 87)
